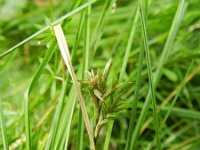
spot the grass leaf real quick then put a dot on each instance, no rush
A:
(48, 55)
(3, 128)
(66, 56)
(150, 76)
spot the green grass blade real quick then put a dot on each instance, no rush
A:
(136, 97)
(170, 40)
(129, 44)
(70, 109)
(168, 46)
(36, 76)
(177, 95)
(174, 94)
(54, 127)
(3, 128)
(48, 27)
(183, 82)
(150, 76)
(66, 56)
(181, 112)
(63, 132)
(108, 135)
(46, 59)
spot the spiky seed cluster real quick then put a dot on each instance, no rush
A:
(105, 98)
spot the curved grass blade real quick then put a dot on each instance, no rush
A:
(3, 128)
(66, 56)
(36, 76)
(168, 46)
(48, 27)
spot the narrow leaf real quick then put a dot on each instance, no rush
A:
(3, 128)
(66, 56)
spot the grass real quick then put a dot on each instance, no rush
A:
(150, 77)
(93, 74)
(163, 58)
(66, 56)
(3, 129)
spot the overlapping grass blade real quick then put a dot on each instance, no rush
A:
(55, 123)
(168, 46)
(150, 76)
(63, 133)
(66, 56)
(3, 128)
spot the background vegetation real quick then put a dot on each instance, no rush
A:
(152, 86)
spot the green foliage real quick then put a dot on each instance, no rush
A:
(148, 99)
